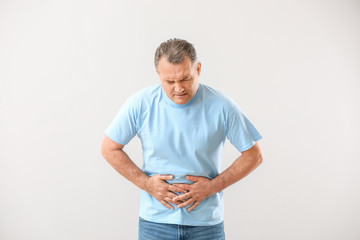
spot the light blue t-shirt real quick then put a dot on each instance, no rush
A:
(182, 140)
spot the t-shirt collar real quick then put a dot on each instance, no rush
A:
(173, 104)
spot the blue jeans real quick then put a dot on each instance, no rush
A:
(161, 231)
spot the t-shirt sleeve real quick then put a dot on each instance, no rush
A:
(240, 131)
(124, 127)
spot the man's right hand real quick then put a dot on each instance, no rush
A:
(164, 192)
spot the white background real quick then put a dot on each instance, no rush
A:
(66, 67)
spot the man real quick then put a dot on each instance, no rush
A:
(182, 125)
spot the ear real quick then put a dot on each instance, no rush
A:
(198, 68)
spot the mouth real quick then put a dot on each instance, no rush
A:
(180, 95)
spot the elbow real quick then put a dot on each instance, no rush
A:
(258, 154)
(104, 150)
(260, 158)
(107, 154)
(109, 148)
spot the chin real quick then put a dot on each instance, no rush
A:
(182, 102)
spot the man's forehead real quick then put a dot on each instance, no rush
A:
(174, 70)
(164, 61)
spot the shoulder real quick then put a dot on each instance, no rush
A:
(140, 101)
(146, 93)
(144, 96)
(218, 98)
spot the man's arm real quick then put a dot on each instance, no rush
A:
(204, 187)
(155, 185)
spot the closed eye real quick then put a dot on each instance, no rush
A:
(185, 79)
(182, 80)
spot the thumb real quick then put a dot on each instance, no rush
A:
(194, 178)
(166, 177)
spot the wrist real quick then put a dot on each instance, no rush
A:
(145, 183)
(216, 185)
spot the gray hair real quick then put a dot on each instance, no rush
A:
(176, 51)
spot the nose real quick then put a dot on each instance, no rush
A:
(178, 87)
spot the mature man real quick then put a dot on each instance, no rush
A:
(182, 125)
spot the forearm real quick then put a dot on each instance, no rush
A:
(242, 166)
(121, 162)
(155, 185)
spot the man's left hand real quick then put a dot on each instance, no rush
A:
(197, 192)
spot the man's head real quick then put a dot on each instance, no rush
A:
(178, 69)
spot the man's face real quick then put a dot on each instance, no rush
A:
(180, 81)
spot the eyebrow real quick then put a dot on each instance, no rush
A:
(180, 79)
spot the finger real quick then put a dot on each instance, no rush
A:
(170, 200)
(175, 188)
(165, 177)
(178, 202)
(195, 178)
(186, 203)
(182, 197)
(182, 185)
(193, 206)
(166, 204)
(171, 195)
